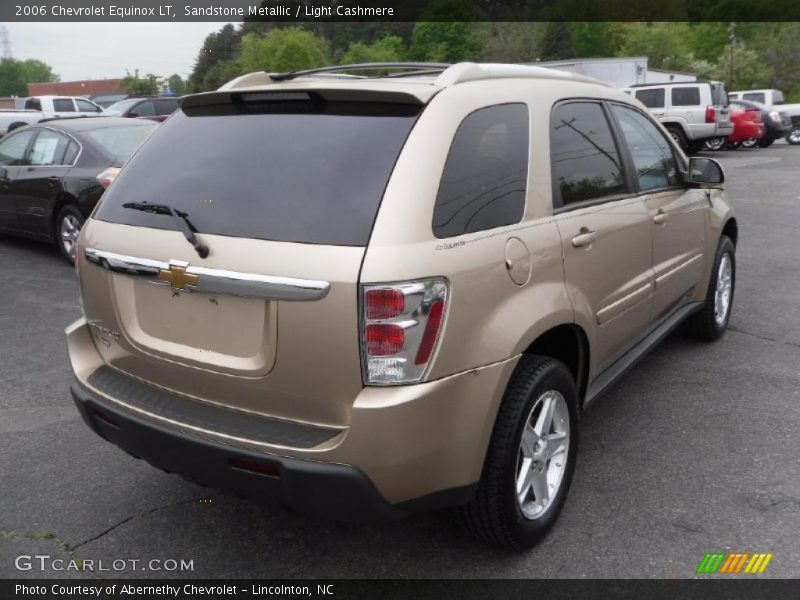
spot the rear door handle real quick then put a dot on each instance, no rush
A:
(660, 217)
(584, 238)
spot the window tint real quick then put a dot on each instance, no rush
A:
(86, 106)
(756, 97)
(651, 98)
(688, 96)
(294, 171)
(71, 153)
(48, 148)
(584, 157)
(166, 107)
(652, 155)
(12, 148)
(33, 104)
(484, 179)
(145, 109)
(121, 142)
(63, 105)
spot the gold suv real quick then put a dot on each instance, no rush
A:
(368, 296)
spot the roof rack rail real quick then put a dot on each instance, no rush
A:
(412, 66)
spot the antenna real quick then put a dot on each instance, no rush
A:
(5, 42)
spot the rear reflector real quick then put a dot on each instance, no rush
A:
(269, 469)
(431, 333)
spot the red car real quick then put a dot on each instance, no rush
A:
(747, 125)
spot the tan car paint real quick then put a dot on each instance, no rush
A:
(301, 361)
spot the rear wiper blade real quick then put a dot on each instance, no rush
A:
(182, 218)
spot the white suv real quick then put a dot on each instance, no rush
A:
(692, 112)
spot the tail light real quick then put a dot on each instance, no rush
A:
(107, 177)
(401, 325)
(711, 114)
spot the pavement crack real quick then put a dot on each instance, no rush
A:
(138, 515)
(63, 544)
(764, 337)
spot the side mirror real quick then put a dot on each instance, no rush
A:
(705, 173)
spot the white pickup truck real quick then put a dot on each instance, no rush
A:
(36, 108)
(774, 98)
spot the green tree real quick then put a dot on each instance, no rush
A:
(387, 49)
(664, 44)
(557, 42)
(135, 85)
(596, 39)
(15, 75)
(512, 42)
(438, 38)
(176, 84)
(218, 48)
(285, 49)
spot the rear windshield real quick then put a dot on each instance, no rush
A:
(293, 171)
(121, 142)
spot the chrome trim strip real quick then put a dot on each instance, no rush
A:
(213, 281)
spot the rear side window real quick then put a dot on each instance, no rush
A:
(49, 148)
(484, 179)
(63, 105)
(756, 97)
(651, 98)
(584, 158)
(166, 107)
(145, 109)
(305, 171)
(688, 96)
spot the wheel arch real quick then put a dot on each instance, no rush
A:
(731, 229)
(569, 344)
(62, 199)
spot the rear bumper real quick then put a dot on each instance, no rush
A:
(406, 449)
(332, 490)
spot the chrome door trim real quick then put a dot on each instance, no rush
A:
(211, 281)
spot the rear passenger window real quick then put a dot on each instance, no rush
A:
(689, 96)
(651, 98)
(484, 179)
(584, 158)
(63, 105)
(652, 155)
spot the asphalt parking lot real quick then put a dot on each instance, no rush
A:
(695, 450)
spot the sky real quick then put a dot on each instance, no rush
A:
(104, 50)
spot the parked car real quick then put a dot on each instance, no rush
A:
(155, 108)
(775, 99)
(106, 100)
(368, 297)
(52, 174)
(778, 124)
(693, 113)
(747, 127)
(37, 108)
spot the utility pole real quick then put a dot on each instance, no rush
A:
(732, 37)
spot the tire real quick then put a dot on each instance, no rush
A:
(732, 145)
(708, 324)
(793, 137)
(765, 142)
(717, 143)
(749, 143)
(496, 515)
(679, 137)
(68, 225)
(16, 125)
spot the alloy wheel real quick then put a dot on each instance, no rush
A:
(69, 229)
(722, 297)
(543, 451)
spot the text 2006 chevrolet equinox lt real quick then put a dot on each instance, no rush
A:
(372, 296)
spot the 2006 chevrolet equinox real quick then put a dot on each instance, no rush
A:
(376, 295)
